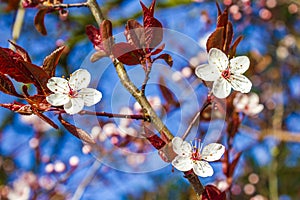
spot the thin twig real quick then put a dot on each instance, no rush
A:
(113, 115)
(147, 77)
(70, 5)
(18, 23)
(88, 178)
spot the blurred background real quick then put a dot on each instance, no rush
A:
(39, 162)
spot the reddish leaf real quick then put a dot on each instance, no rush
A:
(233, 164)
(223, 19)
(232, 50)
(39, 21)
(153, 32)
(22, 52)
(77, 132)
(216, 39)
(38, 102)
(7, 87)
(156, 141)
(167, 58)
(158, 49)
(38, 77)
(126, 53)
(106, 34)
(18, 107)
(134, 33)
(213, 193)
(51, 61)
(149, 12)
(45, 118)
(228, 37)
(94, 35)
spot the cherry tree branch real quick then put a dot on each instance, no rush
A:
(113, 115)
(70, 5)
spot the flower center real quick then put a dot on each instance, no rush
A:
(72, 93)
(196, 154)
(226, 73)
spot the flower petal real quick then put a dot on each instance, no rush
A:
(217, 58)
(239, 65)
(58, 99)
(203, 169)
(79, 79)
(253, 98)
(207, 72)
(255, 110)
(212, 152)
(90, 96)
(240, 101)
(240, 83)
(182, 163)
(74, 106)
(182, 148)
(221, 88)
(58, 85)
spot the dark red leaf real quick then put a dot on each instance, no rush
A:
(106, 34)
(158, 49)
(45, 118)
(153, 32)
(167, 58)
(39, 21)
(148, 12)
(126, 53)
(216, 39)
(156, 141)
(135, 34)
(38, 77)
(213, 193)
(51, 61)
(23, 109)
(232, 50)
(22, 52)
(14, 66)
(228, 37)
(223, 19)
(77, 132)
(7, 87)
(94, 35)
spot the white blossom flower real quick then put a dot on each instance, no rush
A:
(225, 73)
(73, 94)
(248, 104)
(189, 157)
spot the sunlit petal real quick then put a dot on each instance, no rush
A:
(208, 72)
(255, 110)
(58, 85)
(239, 64)
(90, 96)
(203, 169)
(58, 99)
(181, 147)
(240, 83)
(221, 88)
(217, 58)
(182, 163)
(79, 79)
(74, 106)
(253, 98)
(212, 152)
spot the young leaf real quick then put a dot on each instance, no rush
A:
(22, 52)
(134, 33)
(228, 37)
(216, 39)
(126, 53)
(213, 193)
(106, 33)
(20, 108)
(77, 132)
(232, 50)
(51, 61)
(97, 55)
(153, 32)
(7, 87)
(167, 93)
(39, 21)
(166, 57)
(94, 35)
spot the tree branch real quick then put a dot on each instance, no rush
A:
(112, 115)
